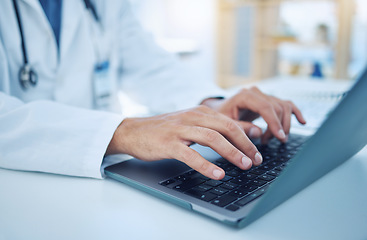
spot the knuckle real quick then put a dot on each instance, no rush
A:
(279, 109)
(266, 106)
(255, 89)
(233, 153)
(244, 90)
(180, 129)
(188, 156)
(203, 108)
(211, 136)
(230, 126)
(203, 166)
(288, 106)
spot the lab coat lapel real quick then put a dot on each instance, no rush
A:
(71, 18)
(43, 23)
(36, 6)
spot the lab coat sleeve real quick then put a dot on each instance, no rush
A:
(49, 137)
(45, 136)
(154, 77)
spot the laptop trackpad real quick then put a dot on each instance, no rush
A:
(152, 172)
(156, 171)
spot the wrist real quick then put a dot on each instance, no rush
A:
(116, 145)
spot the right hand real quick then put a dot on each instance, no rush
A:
(170, 135)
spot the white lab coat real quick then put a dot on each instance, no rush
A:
(53, 127)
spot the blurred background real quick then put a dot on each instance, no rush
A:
(235, 42)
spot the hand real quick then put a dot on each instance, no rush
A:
(170, 135)
(249, 104)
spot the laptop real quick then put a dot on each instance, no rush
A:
(244, 196)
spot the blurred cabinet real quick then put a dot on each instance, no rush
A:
(248, 39)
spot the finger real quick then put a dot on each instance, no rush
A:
(250, 129)
(271, 117)
(287, 114)
(279, 109)
(231, 130)
(194, 160)
(258, 103)
(298, 113)
(213, 139)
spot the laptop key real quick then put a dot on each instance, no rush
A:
(218, 191)
(280, 168)
(188, 184)
(258, 182)
(224, 200)
(182, 178)
(266, 167)
(238, 181)
(190, 173)
(273, 173)
(248, 188)
(257, 171)
(229, 186)
(238, 193)
(202, 188)
(195, 175)
(167, 182)
(206, 196)
(214, 183)
(174, 184)
(274, 164)
(248, 176)
(232, 207)
(221, 160)
(226, 178)
(267, 177)
(250, 197)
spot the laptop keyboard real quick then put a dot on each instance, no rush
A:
(238, 187)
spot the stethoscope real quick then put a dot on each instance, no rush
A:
(27, 75)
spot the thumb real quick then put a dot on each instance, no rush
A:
(250, 129)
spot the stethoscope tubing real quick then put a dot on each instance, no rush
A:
(27, 76)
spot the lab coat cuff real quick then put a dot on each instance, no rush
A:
(97, 149)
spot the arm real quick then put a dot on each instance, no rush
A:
(50, 137)
(219, 126)
(145, 68)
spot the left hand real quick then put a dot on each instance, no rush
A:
(249, 104)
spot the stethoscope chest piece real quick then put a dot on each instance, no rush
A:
(27, 77)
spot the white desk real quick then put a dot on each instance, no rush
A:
(44, 206)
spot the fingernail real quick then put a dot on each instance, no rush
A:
(246, 162)
(258, 158)
(254, 132)
(281, 134)
(217, 173)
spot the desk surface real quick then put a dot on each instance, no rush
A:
(46, 206)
